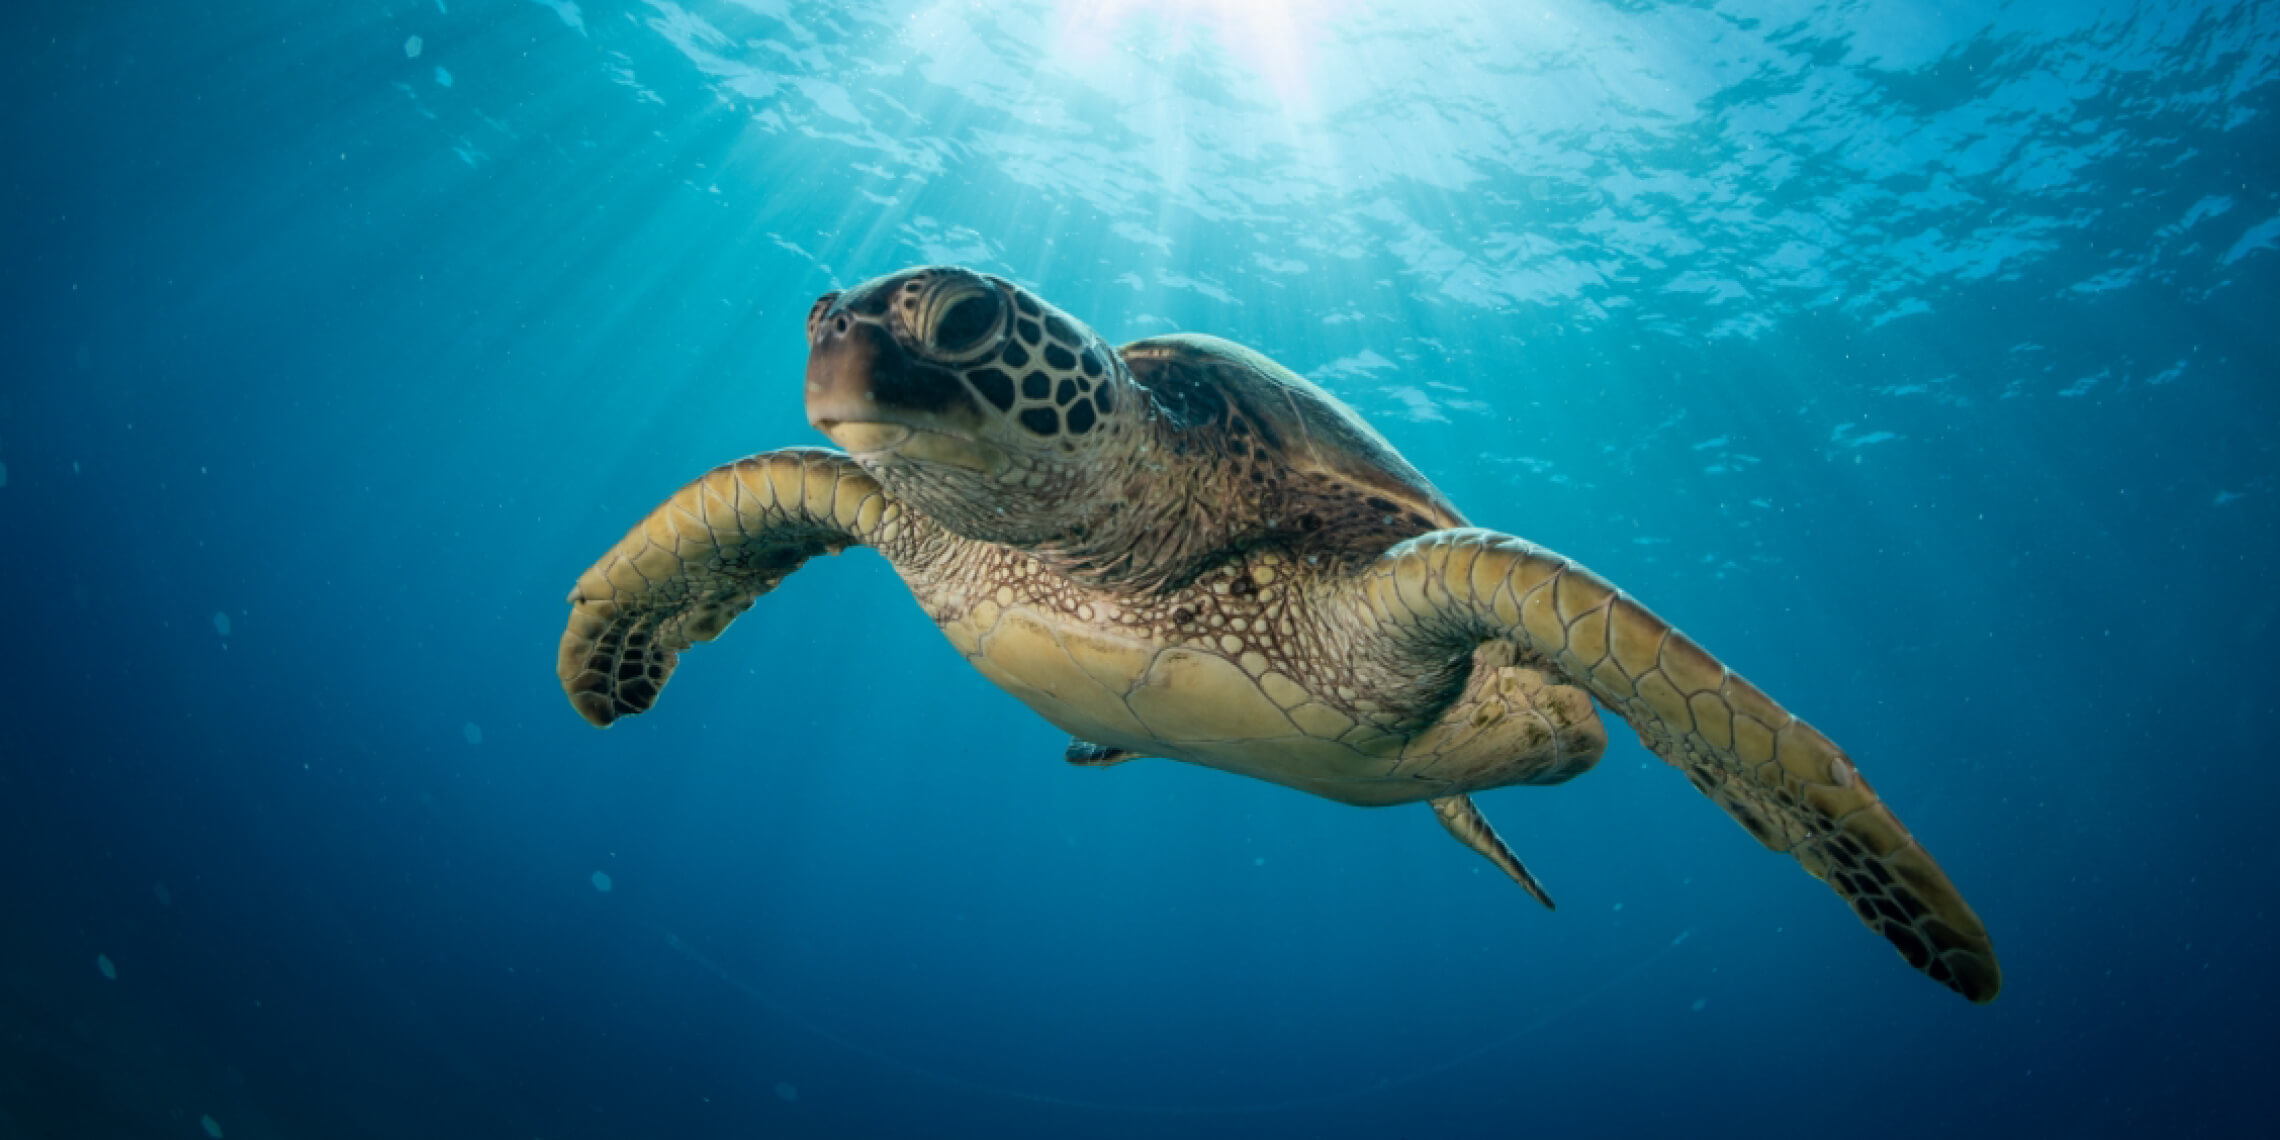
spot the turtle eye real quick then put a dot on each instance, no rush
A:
(967, 322)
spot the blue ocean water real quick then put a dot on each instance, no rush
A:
(1916, 358)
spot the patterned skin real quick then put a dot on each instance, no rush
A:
(1181, 549)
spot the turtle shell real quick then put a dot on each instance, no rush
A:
(1338, 482)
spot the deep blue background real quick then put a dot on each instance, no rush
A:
(1919, 360)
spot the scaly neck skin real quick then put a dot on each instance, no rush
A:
(1160, 507)
(913, 543)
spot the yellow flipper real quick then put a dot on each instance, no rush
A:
(700, 559)
(1780, 778)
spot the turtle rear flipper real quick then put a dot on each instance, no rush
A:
(1471, 828)
(1782, 780)
(700, 559)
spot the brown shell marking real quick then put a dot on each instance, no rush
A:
(1323, 475)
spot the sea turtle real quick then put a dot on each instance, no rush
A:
(1183, 549)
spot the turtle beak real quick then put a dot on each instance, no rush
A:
(871, 397)
(846, 360)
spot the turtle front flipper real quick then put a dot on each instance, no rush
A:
(700, 559)
(1793, 789)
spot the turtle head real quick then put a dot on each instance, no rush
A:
(971, 399)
